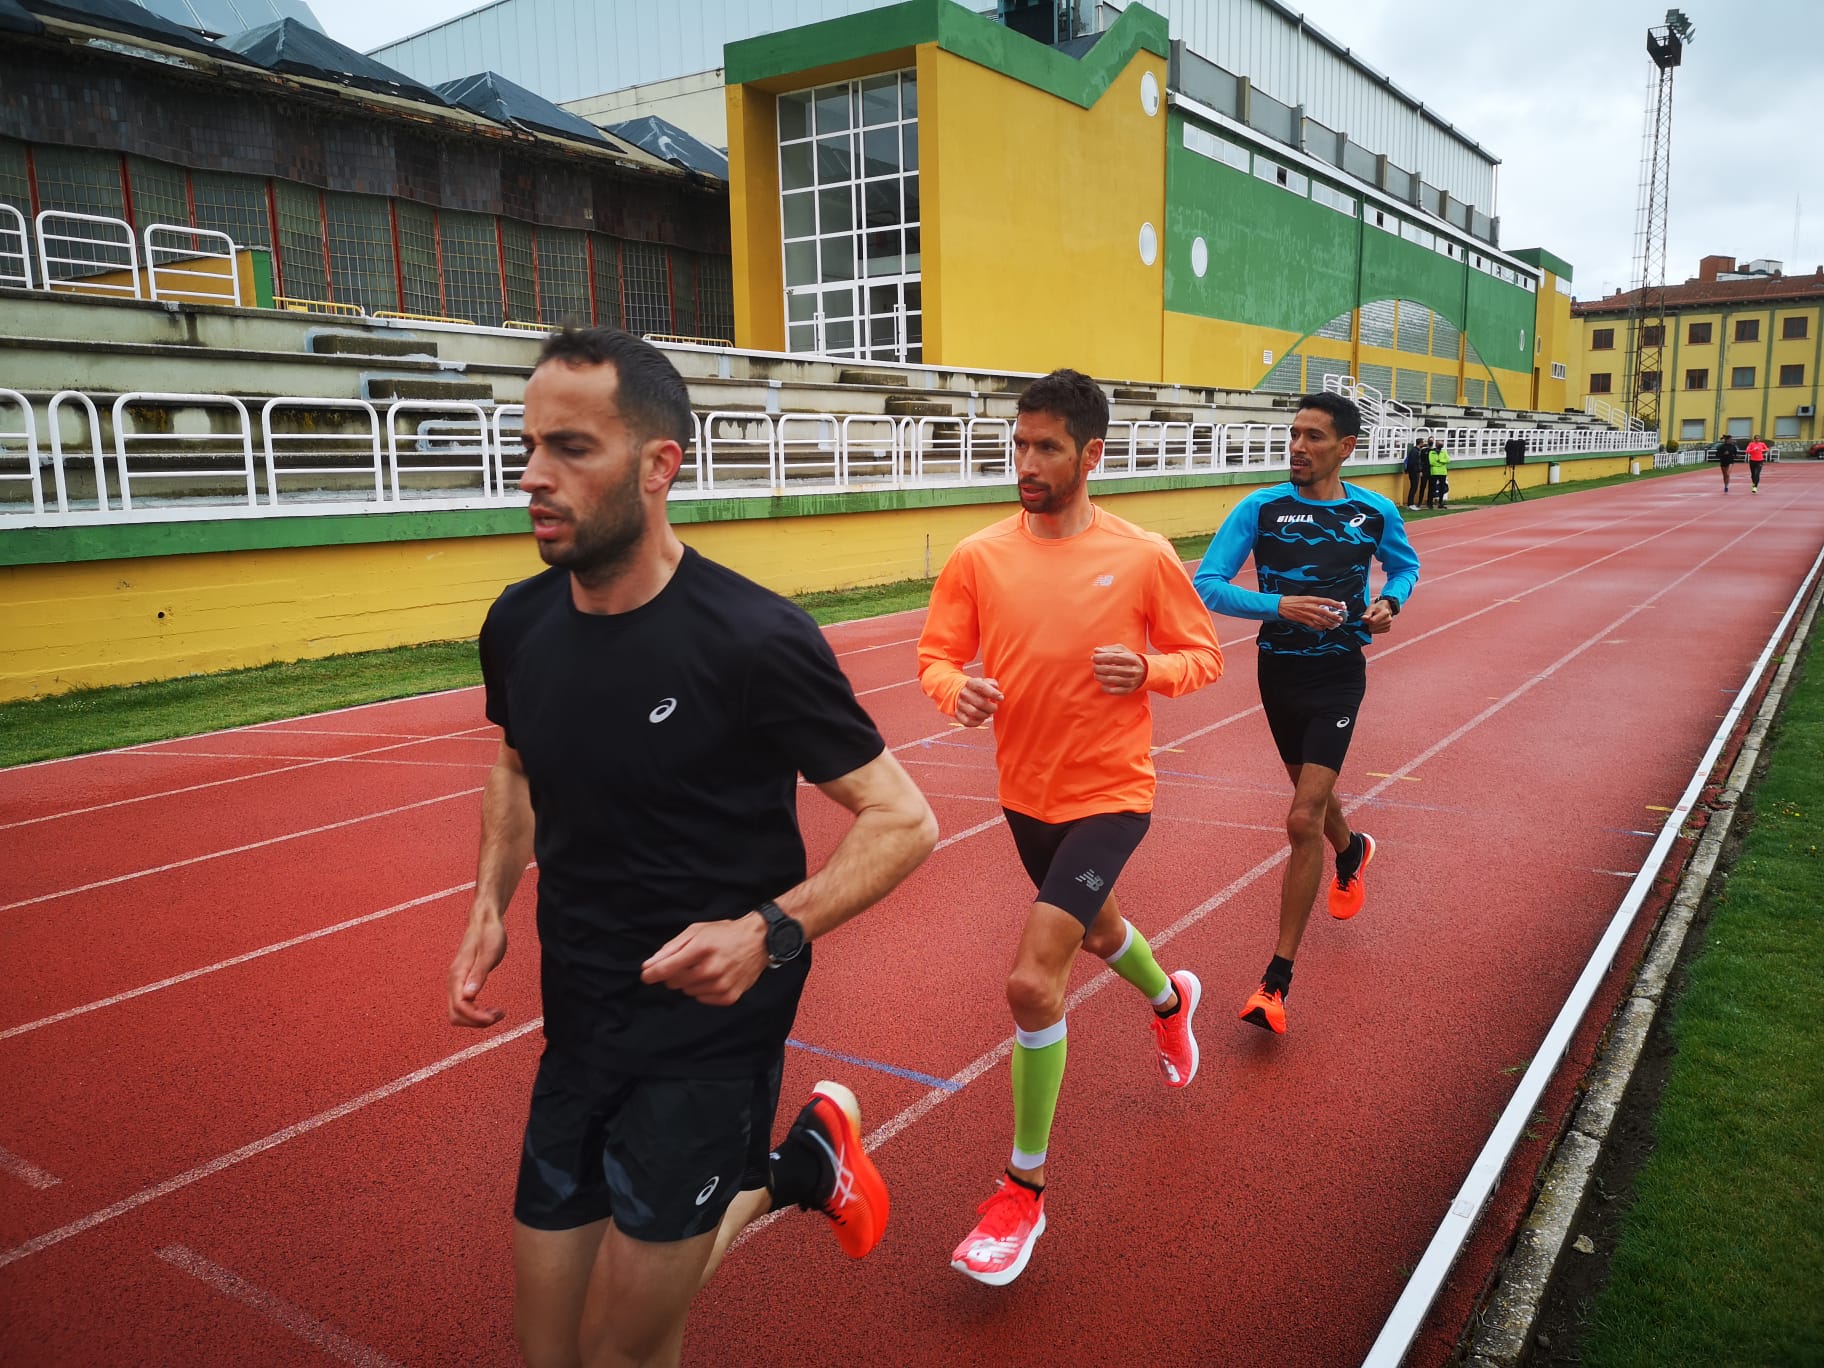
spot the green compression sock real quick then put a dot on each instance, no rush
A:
(1038, 1074)
(1134, 962)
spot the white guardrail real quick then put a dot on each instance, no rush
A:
(154, 456)
(70, 253)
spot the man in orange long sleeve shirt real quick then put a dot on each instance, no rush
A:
(1062, 601)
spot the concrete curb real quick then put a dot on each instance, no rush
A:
(1504, 1336)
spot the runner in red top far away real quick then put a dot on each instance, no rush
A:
(1063, 600)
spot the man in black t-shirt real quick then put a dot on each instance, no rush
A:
(656, 711)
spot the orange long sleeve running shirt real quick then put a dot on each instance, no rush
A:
(1036, 609)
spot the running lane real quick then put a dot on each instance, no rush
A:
(310, 1168)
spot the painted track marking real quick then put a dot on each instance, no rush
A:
(26, 1171)
(257, 1147)
(319, 1333)
(240, 849)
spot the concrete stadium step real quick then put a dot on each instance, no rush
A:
(370, 344)
(390, 387)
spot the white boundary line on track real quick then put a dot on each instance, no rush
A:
(238, 850)
(1408, 1315)
(318, 1333)
(185, 977)
(26, 1171)
(309, 762)
(273, 1141)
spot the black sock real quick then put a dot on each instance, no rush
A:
(1013, 1177)
(1278, 976)
(1349, 863)
(1177, 1005)
(800, 1172)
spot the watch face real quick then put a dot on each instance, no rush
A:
(784, 939)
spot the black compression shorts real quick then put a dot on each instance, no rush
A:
(1074, 864)
(1311, 704)
(662, 1156)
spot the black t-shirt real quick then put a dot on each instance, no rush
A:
(663, 748)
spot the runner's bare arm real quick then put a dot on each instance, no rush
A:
(716, 962)
(506, 848)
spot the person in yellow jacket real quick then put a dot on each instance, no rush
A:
(1440, 475)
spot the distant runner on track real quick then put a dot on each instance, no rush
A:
(657, 710)
(1062, 600)
(1312, 540)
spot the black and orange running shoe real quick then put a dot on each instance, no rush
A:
(1347, 894)
(850, 1191)
(1266, 1008)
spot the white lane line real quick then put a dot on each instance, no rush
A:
(220, 965)
(309, 762)
(238, 850)
(863, 650)
(318, 1333)
(226, 1161)
(26, 1171)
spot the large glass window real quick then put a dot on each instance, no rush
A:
(849, 218)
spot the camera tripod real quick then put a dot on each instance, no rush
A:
(1511, 490)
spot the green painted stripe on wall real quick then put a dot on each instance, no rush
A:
(955, 29)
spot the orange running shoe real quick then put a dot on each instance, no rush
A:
(1266, 1008)
(855, 1199)
(1346, 895)
(1177, 1045)
(997, 1250)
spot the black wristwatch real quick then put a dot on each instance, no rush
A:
(1392, 602)
(784, 936)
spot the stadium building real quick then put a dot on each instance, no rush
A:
(1741, 344)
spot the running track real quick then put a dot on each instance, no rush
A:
(238, 1129)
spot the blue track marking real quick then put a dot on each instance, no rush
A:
(893, 1069)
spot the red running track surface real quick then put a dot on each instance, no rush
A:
(239, 1130)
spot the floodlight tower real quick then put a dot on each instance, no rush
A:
(1647, 316)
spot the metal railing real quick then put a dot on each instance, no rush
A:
(1377, 409)
(177, 256)
(1612, 414)
(15, 249)
(147, 456)
(83, 262)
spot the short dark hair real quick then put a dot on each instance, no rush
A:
(1074, 397)
(651, 394)
(1344, 415)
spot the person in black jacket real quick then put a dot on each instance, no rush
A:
(1417, 469)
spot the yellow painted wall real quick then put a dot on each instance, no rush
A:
(91, 623)
(1029, 200)
(753, 217)
(1556, 342)
(1196, 346)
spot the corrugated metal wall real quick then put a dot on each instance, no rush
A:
(572, 49)
(1256, 40)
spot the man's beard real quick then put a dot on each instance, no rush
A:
(1054, 498)
(602, 545)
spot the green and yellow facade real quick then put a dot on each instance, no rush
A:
(1075, 215)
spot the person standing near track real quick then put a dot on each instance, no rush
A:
(1312, 540)
(1418, 471)
(1757, 457)
(1062, 601)
(656, 711)
(1440, 475)
(1726, 452)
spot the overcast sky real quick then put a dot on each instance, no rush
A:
(1557, 90)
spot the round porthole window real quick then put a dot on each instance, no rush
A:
(1149, 93)
(1200, 257)
(1149, 244)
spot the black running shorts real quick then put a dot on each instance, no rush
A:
(662, 1156)
(1311, 704)
(1074, 865)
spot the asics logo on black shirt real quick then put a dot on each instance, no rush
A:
(665, 709)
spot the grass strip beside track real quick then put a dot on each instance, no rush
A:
(133, 714)
(1721, 1258)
